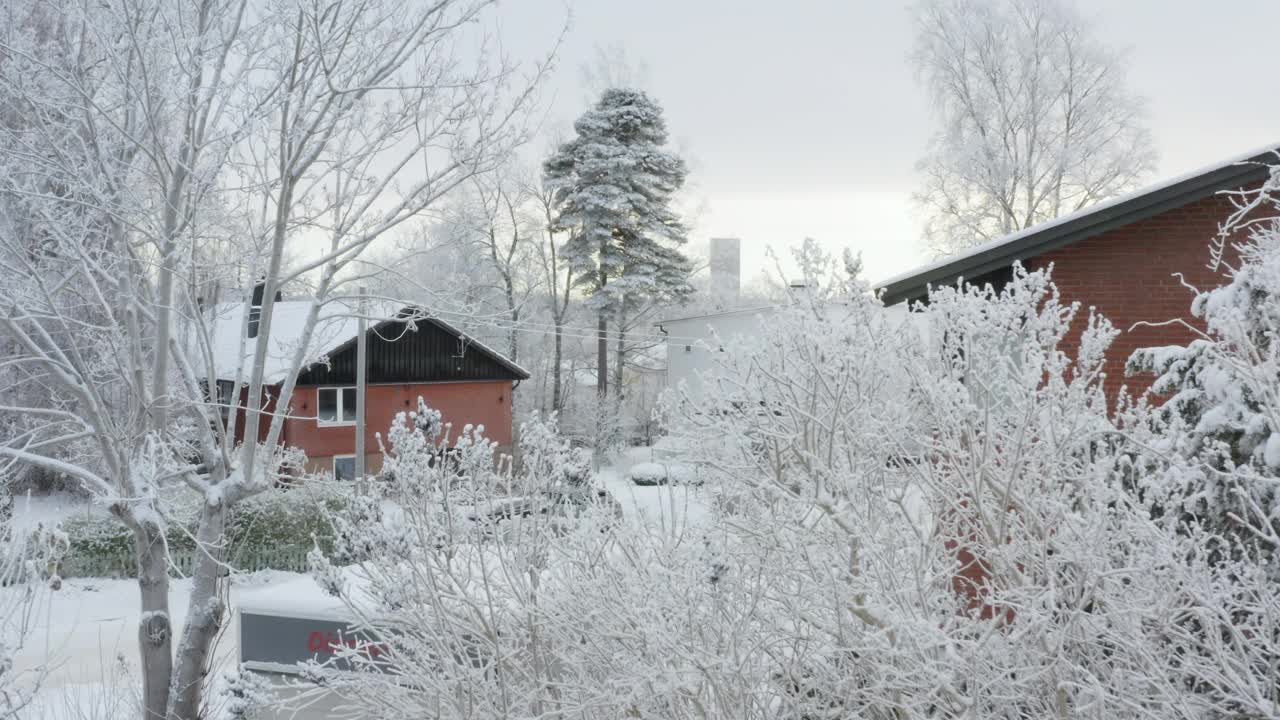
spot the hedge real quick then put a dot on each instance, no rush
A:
(273, 530)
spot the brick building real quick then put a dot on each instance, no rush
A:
(465, 380)
(1122, 257)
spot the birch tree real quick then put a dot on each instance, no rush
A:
(1035, 119)
(294, 124)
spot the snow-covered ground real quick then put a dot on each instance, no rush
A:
(86, 632)
(49, 510)
(662, 506)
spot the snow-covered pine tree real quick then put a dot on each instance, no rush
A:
(613, 185)
(1221, 421)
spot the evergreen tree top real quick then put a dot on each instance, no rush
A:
(613, 185)
(629, 116)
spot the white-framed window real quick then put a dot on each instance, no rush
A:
(344, 467)
(336, 406)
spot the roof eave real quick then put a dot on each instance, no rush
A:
(916, 287)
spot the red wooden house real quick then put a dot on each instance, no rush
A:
(468, 382)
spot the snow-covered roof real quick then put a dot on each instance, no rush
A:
(1082, 224)
(233, 352)
(337, 325)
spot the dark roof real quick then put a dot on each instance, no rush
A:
(396, 329)
(436, 352)
(410, 348)
(1037, 240)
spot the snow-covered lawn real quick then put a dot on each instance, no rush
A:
(51, 509)
(87, 631)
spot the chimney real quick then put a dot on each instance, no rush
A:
(255, 307)
(726, 271)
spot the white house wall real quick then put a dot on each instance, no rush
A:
(692, 344)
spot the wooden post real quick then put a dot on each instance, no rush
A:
(361, 365)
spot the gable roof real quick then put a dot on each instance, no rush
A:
(1088, 222)
(337, 325)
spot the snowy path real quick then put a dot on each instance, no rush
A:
(661, 506)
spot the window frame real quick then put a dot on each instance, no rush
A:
(333, 467)
(340, 409)
(222, 392)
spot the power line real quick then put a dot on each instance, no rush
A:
(566, 330)
(583, 334)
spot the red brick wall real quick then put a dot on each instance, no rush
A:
(477, 403)
(1127, 275)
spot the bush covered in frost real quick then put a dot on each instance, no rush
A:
(940, 524)
(268, 524)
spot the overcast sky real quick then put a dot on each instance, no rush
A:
(804, 118)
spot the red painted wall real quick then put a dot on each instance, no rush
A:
(478, 403)
(269, 395)
(1127, 275)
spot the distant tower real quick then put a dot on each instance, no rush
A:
(726, 271)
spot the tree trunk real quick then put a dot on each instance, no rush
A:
(513, 339)
(555, 366)
(620, 357)
(155, 631)
(602, 340)
(602, 354)
(205, 613)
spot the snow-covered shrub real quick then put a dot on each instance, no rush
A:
(596, 423)
(1220, 412)
(28, 570)
(287, 517)
(275, 520)
(648, 473)
(660, 473)
(1207, 466)
(938, 526)
(548, 460)
(242, 695)
(467, 604)
(910, 525)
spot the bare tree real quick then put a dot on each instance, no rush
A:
(1036, 120)
(502, 230)
(558, 280)
(298, 125)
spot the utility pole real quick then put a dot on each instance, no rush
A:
(361, 363)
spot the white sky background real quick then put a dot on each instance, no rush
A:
(804, 118)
